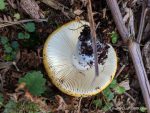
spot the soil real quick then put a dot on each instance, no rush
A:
(29, 56)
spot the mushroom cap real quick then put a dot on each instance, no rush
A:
(57, 58)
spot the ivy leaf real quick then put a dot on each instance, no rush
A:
(2, 4)
(97, 103)
(114, 37)
(120, 90)
(34, 82)
(30, 27)
(4, 40)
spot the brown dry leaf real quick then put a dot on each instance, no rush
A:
(78, 12)
(125, 84)
(41, 104)
(31, 8)
(15, 96)
(29, 96)
(20, 87)
(58, 6)
(62, 106)
(54, 4)
(37, 100)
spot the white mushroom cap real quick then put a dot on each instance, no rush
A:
(59, 63)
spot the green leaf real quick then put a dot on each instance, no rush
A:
(120, 90)
(13, 55)
(110, 96)
(22, 106)
(143, 109)
(97, 103)
(114, 37)
(2, 4)
(34, 82)
(26, 35)
(21, 35)
(7, 49)
(8, 57)
(4, 40)
(106, 92)
(107, 107)
(113, 84)
(30, 27)
(17, 16)
(15, 45)
(10, 107)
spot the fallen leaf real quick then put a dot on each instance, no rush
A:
(78, 12)
(125, 84)
(62, 106)
(31, 8)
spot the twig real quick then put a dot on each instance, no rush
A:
(134, 50)
(79, 105)
(9, 23)
(93, 34)
(14, 63)
(127, 94)
(142, 22)
(1, 83)
(121, 69)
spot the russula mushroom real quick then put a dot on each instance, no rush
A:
(69, 61)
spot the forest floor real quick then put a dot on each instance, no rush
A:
(24, 28)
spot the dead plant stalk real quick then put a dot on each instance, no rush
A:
(134, 50)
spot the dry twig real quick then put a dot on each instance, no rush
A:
(93, 34)
(9, 23)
